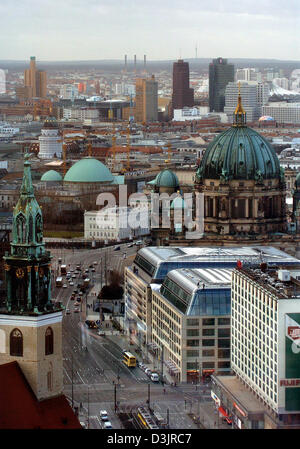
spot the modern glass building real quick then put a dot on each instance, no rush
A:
(152, 265)
(191, 322)
(220, 74)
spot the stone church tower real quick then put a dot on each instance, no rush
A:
(30, 324)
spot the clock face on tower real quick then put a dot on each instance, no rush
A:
(20, 273)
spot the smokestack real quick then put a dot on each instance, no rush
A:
(145, 63)
(134, 63)
(125, 68)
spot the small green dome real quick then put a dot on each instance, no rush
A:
(51, 175)
(239, 153)
(88, 170)
(166, 178)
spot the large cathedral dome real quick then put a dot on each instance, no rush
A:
(240, 153)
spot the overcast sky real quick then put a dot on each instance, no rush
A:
(161, 29)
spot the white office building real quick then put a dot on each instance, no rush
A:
(116, 223)
(50, 141)
(194, 113)
(81, 114)
(283, 112)
(248, 74)
(265, 335)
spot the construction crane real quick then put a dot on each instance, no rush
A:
(113, 147)
(169, 153)
(128, 148)
(64, 159)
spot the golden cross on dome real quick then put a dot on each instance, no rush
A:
(240, 113)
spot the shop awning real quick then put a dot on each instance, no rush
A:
(223, 412)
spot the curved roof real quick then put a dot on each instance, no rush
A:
(51, 175)
(166, 178)
(239, 153)
(88, 169)
(267, 118)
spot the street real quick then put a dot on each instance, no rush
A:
(94, 375)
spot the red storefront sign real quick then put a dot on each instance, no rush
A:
(289, 382)
(239, 409)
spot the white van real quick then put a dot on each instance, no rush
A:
(154, 377)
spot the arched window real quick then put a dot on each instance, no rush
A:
(21, 228)
(16, 343)
(49, 341)
(39, 228)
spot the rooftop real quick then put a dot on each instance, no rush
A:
(269, 279)
(20, 409)
(244, 398)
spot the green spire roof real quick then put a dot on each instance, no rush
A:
(27, 215)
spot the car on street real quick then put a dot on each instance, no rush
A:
(67, 311)
(101, 333)
(139, 242)
(95, 263)
(72, 298)
(107, 425)
(141, 365)
(148, 371)
(91, 266)
(78, 299)
(76, 304)
(130, 245)
(65, 286)
(76, 310)
(71, 283)
(103, 415)
(86, 270)
(73, 276)
(154, 377)
(116, 248)
(93, 270)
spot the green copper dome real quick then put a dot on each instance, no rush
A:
(239, 153)
(51, 175)
(88, 170)
(166, 178)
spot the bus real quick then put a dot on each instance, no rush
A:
(59, 282)
(63, 269)
(129, 360)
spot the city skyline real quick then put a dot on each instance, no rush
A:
(90, 30)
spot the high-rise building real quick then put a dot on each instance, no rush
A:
(246, 74)
(183, 95)
(146, 100)
(265, 345)
(220, 74)
(35, 80)
(254, 95)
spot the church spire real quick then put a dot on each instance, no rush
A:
(239, 113)
(28, 268)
